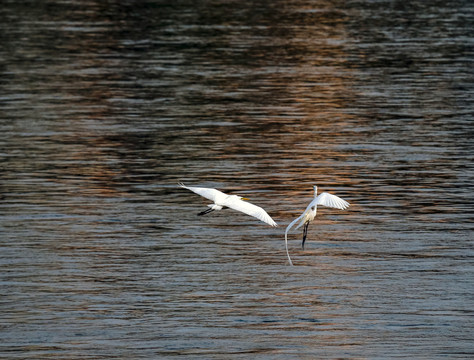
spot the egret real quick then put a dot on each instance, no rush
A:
(309, 214)
(235, 202)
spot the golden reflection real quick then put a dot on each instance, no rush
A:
(291, 97)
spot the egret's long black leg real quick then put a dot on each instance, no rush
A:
(305, 233)
(206, 211)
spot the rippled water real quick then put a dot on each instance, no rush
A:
(105, 106)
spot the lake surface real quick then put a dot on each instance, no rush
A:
(106, 106)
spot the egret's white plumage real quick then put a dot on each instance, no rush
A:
(309, 214)
(235, 202)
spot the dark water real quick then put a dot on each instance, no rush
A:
(105, 106)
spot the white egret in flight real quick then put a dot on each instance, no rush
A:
(235, 202)
(309, 214)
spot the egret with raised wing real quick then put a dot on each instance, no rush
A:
(309, 214)
(235, 202)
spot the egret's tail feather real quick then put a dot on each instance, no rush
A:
(286, 245)
(286, 237)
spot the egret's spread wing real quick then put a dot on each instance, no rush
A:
(286, 234)
(330, 200)
(249, 209)
(208, 193)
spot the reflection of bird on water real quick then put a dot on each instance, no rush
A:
(235, 202)
(309, 214)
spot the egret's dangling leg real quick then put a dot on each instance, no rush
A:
(206, 211)
(305, 233)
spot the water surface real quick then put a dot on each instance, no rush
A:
(105, 107)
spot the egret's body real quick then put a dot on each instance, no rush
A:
(309, 214)
(222, 200)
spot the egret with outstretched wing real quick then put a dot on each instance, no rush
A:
(235, 202)
(309, 214)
